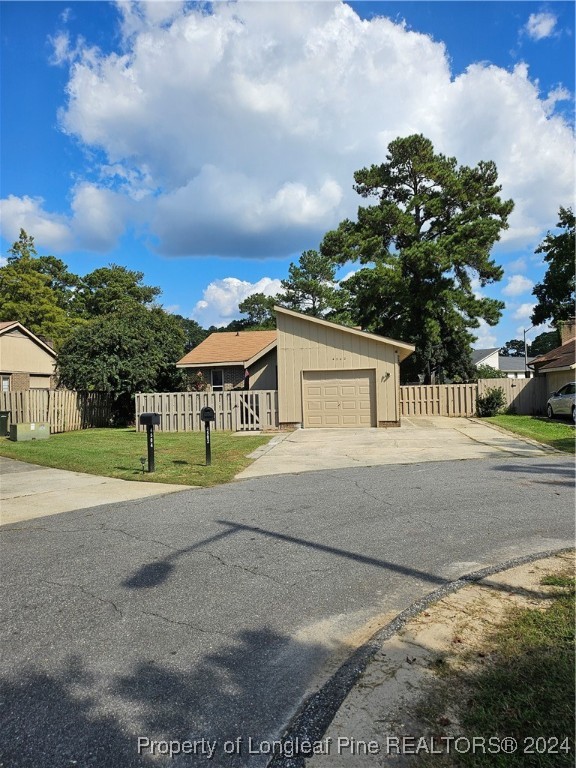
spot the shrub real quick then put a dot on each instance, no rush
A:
(492, 402)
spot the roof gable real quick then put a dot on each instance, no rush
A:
(229, 348)
(404, 349)
(7, 327)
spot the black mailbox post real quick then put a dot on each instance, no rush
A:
(150, 420)
(207, 415)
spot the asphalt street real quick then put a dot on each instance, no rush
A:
(205, 618)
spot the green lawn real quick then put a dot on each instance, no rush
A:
(179, 457)
(558, 434)
(524, 689)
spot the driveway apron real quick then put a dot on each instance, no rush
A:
(436, 438)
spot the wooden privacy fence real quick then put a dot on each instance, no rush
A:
(526, 396)
(65, 410)
(438, 400)
(236, 411)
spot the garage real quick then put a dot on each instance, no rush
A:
(339, 399)
(334, 376)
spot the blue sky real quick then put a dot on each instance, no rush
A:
(208, 146)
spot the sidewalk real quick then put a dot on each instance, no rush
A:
(28, 491)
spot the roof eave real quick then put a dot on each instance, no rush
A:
(406, 348)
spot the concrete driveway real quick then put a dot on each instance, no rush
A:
(436, 438)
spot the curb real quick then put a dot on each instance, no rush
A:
(315, 714)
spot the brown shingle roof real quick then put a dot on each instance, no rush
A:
(7, 323)
(561, 357)
(228, 347)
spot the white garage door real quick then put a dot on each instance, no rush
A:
(339, 399)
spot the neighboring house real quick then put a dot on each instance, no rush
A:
(327, 375)
(513, 367)
(234, 360)
(486, 357)
(26, 360)
(559, 365)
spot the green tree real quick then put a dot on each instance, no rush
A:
(311, 285)
(113, 289)
(125, 353)
(487, 372)
(543, 343)
(513, 348)
(37, 292)
(260, 311)
(194, 334)
(556, 293)
(428, 234)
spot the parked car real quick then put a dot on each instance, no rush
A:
(561, 403)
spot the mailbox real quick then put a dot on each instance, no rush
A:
(207, 414)
(150, 419)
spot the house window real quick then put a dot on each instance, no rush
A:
(5, 383)
(217, 379)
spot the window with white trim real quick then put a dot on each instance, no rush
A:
(217, 379)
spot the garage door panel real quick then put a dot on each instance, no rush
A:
(339, 398)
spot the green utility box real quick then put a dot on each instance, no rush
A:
(30, 431)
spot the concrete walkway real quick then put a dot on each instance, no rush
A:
(437, 438)
(28, 491)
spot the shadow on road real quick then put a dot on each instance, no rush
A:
(76, 716)
(563, 474)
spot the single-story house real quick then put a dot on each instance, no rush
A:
(234, 360)
(327, 375)
(559, 365)
(513, 367)
(26, 360)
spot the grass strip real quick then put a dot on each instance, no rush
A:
(179, 456)
(524, 689)
(559, 435)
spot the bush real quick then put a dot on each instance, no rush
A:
(491, 403)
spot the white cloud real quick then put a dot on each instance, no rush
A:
(518, 265)
(220, 299)
(540, 25)
(517, 285)
(52, 230)
(98, 219)
(524, 311)
(485, 336)
(237, 131)
(3, 261)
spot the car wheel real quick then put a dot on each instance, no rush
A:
(573, 414)
(550, 412)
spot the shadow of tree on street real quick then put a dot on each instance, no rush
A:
(76, 716)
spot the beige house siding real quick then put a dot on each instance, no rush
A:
(27, 363)
(556, 379)
(263, 373)
(308, 346)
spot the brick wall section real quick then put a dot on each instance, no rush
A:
(233, 378)
(567, 330)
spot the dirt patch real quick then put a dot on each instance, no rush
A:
(383, 704)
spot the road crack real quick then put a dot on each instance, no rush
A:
(85, 591)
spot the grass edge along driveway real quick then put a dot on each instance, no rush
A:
(180, 457)
(558, 434)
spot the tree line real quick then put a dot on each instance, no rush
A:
(424, 233)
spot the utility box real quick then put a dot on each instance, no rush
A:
(37, 430)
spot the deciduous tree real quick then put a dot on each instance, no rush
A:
(124, 353)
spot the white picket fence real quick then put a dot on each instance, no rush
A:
(237, 411)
